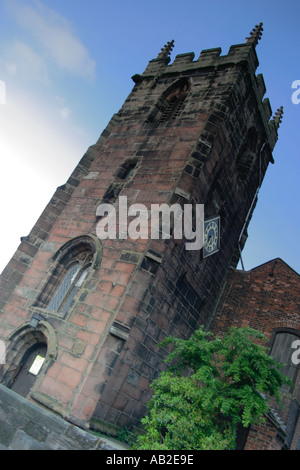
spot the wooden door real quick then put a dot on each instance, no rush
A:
(26, 375)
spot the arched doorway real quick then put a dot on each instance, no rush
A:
(27, 357)
(30, 365)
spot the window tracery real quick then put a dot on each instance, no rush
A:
(73, 264)
(170, 105)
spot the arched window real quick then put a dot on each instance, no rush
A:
(73, 264)
(248, 155)
(125, 171)
(68, 287)
(171, 103)
(245, 164)
(283, 351)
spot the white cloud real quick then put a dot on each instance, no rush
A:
(65, 112)
(20, 59)
(2, 92)
(39, 139)
(37, 155)
(56, 37)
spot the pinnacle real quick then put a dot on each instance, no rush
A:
(278, 117)
(166, 50)
(255, 34)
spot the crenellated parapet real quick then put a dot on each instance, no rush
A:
(240, 57)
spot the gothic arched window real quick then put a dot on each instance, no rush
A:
(73, 263)
(248, 155)
(68, 287)
(171, 103)
(283, 351)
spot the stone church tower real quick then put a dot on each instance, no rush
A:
(81, 316)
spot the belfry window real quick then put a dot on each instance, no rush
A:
(247, 157)
(245, 164)
(126, 170)
(171, 103)
(73, 264)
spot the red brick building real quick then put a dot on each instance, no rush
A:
(81, 316)
(267, 299)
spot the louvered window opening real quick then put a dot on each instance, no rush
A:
(172, 109)
(245, 164)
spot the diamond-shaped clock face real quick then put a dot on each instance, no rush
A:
(211, 236)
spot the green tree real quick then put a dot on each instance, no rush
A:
(210, 387)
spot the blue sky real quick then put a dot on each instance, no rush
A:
(67, 68)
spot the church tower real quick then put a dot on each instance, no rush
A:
(82, 315)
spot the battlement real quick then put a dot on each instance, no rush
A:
(208, 58)
(242, 56)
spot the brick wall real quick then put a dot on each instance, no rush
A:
(266, 299)
(263, 437)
